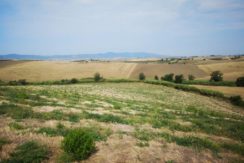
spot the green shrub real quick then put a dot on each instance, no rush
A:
(216, 76)
(142, 76)
(169, 77)
(29, 152)
(191, 77)
(240, 82)
(74, 80)
(97, 77)
(236, 100)
(156, 77)
(79, 143)
(179, 78)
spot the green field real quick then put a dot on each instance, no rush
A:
(133, 122)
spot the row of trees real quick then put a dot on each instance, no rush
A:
(215, 76)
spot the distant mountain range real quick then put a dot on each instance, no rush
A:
(108, 55)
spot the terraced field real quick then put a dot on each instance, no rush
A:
(136, 122)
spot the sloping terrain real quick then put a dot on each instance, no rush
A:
(231, 70)
(152, 69)
(138, 122)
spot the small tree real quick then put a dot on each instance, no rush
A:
(156, 77)
(142, 76)
(216, 76)
(162, 78)
(240, 82)
(191, 77)
(169, 77)
(179, 78)
(97, 77)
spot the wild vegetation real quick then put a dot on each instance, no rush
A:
(140, 115)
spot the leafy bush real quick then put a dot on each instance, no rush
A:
(29, 152)
(169, 77)
(191, 77)
(179, 78)
(74, 80)
(142, 76)
(240, 82)
(216, 76)
(236, 100)
(19, 82)
(162, 78)
(97, 77)
(79, 143)
(156, 77)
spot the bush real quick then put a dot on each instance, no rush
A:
(216, 76)
(191, 77)
(240, 82)
(236, 100)
(74, 80)
(156, 77)
(97, 77)
(162, 78)
(79, 143)
(169, 77)
(19, 82)
(142, 76)
(179, 78)
(29, 152)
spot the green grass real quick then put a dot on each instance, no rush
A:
(16, 126)
(105, 118)
(3, 141)
(29, 152)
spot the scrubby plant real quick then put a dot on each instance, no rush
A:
(156, 77)
(216, 76)
(240, 82)
(29, 152)
(169, 77)
(191, 77)
(97, 77)
(79, 144)
(74, 80)
(162, 78)
(236, 100)
(142, 76)
(179, 78)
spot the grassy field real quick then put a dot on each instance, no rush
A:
(57, 70)
(134, 122)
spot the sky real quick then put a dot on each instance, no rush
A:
(166, 27)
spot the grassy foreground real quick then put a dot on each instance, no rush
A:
(150, 119)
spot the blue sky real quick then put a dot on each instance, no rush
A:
(167, 27)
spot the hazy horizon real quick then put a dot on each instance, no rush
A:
(176, 27)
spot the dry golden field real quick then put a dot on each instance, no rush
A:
(56, 70)
(230, 69)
